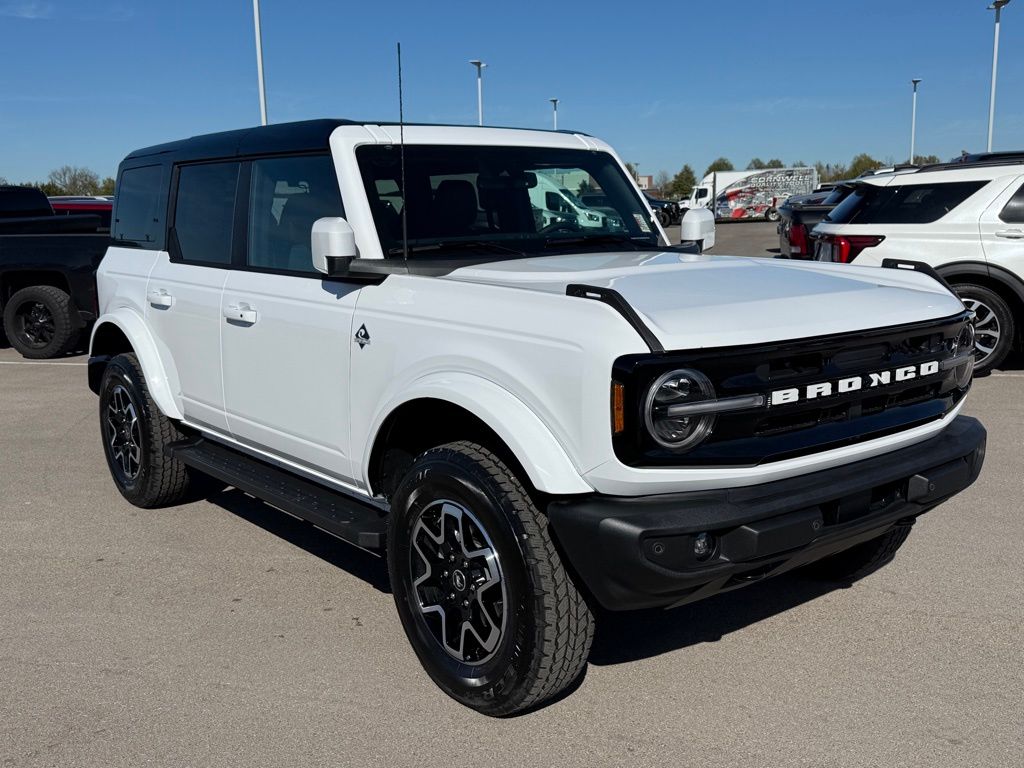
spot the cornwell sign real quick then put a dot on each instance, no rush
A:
(852, 383)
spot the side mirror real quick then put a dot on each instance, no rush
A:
(698, 225)
(333, 244)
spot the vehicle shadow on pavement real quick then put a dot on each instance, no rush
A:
(359, 563)
(630, 636)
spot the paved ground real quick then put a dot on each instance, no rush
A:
(225, 633)
(741, 238)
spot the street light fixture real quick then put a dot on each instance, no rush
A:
(913, 118)
(554, 111)
(479, 89)
(997, 6)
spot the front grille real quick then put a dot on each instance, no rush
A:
(782, 431)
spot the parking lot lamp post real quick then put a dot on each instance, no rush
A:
(479, 90)
(996, 6)
(913, 118)
(259, 61)
(554, 111)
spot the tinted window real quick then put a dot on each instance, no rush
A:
(138, 206)
(204, 212)
(1013, 211)
(905, 204)
(288, 195)
(836, 196)
(18, 202)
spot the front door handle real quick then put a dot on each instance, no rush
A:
(159, 297)
(242, 312)
(1011, 234)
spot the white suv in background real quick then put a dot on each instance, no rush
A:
(965, 221)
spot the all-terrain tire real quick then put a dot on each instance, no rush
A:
(39, 323)
(994, 325)
(131, 421)
(862, 559)
(546, 627)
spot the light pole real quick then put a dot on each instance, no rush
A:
(913, 118)
(259, 61)
(479, 90)
(554, 111)
(997, 6)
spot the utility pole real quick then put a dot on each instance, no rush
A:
(913, 118)
(479, 90)
(997, 6)
(554, 111)
(259, 61)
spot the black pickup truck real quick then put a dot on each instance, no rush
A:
(47, 273)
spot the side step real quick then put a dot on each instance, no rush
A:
(346, 517)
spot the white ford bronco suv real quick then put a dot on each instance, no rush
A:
(378, 329)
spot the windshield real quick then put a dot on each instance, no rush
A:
(510, 199)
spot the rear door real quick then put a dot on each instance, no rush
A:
(1002, 229)
(184, 290)
(287, 331)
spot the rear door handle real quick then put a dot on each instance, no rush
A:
(161, 298)
(242, 312)
(1011, 234)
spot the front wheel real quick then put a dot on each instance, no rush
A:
(993, 325)
(481, 591)
(771, 215)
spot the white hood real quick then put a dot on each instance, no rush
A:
(692, 301)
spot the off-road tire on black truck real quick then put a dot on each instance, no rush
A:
(862, 559)
(134, 434)
(544, 626)
(38, 322)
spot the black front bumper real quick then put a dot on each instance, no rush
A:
(638, 552)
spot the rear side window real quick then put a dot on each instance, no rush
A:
(19, 202)
(904, 204)
(1013, 211)
(204, 213)
(139, 205)
(288, 195)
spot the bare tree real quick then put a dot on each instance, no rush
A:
(73, 180)
(662, 181)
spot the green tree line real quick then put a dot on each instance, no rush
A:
(680, 185)
(71, 180)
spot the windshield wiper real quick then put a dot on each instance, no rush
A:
(638, 243)
(457, 245)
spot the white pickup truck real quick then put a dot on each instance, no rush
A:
(378, 334)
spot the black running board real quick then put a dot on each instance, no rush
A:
(341, 515)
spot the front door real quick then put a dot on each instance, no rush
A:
(286, 331)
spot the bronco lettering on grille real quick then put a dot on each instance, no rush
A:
(853, 383)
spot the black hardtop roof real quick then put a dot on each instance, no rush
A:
(303, 136)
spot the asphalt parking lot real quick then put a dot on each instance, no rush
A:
(226, 633)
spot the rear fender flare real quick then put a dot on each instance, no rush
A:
(161, 381)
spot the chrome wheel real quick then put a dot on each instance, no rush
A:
(457, 582)
(986, 329)
(124, 433)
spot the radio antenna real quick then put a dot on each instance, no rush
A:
(401, 160)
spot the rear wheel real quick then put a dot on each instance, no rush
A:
(993, 325)
(134, 433)
(771, 215)
(482, 594)
(861, 559)
(38, 322)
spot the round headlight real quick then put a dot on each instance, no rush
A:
(678, 430)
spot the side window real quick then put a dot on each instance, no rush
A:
(288, 195)
(138, 214)
(1013, 211)
(204, 212)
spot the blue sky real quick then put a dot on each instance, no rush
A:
(86, 82)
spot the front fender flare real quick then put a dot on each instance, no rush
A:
(541, 455)
(161, 382)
